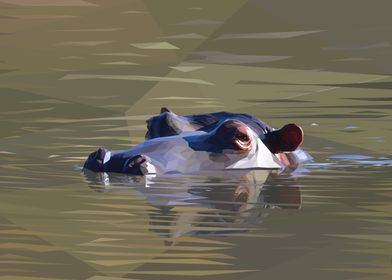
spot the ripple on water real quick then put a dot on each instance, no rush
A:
(362, 160)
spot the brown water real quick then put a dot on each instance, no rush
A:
(77, 75)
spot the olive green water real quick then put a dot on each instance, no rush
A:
(77, 75)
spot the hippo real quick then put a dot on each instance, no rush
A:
(229, 144)
(286, 139)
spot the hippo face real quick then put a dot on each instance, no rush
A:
(215, 141)
(231, 145)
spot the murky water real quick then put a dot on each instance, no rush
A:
(77, 75)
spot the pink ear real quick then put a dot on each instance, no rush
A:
(291, 137)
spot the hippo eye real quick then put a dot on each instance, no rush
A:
(241, 136)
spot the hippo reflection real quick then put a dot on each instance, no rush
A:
(224, 200)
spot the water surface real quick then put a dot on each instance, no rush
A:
(78, 75)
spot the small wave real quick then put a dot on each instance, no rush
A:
(355, 160)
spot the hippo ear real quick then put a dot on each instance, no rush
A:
(164, 110)
(286, 139)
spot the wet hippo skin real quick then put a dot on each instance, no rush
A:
(232, 144)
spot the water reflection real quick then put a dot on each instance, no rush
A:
(220, 203)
